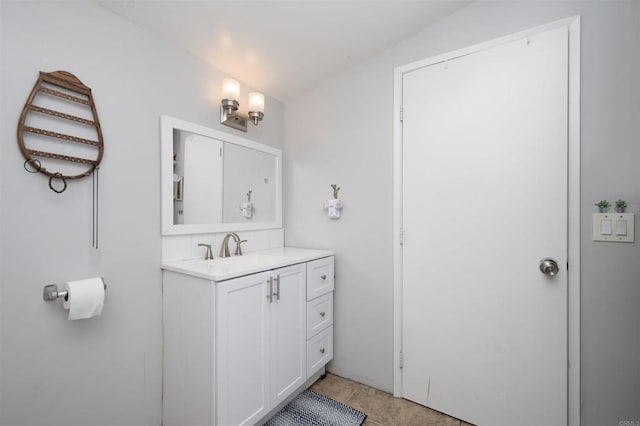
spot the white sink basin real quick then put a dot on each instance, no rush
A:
(220, 269)
(245, 261)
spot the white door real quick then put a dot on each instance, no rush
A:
(484, 199)
(288, 331)
(242, 353)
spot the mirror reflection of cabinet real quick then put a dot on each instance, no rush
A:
(207, 175)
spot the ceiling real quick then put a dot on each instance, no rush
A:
(283, 47)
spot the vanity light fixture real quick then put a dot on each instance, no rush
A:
(256, 107)
(229, 114)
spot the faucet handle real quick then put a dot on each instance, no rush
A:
(209, 254)
(238, 248)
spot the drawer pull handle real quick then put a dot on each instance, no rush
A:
(322, 350)
(270, 290)
(277, 292)
(322, 314)
(323, 277)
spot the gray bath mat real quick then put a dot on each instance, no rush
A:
(312, 409)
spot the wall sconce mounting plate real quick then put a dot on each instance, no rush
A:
(233, 119)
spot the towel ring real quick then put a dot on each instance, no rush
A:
(35, 163)
(64, 182)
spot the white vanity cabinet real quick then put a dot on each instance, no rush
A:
(320, 286)
(261, 344)
(239, 342)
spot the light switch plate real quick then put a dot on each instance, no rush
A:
(607, 226)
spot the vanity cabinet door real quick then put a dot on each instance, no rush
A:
(288, 331)
(243, 349)
(261, 343)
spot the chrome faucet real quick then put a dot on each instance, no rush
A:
(224, 249)
(209, 254)
(238, 248)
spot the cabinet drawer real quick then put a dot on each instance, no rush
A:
(319, 314)
(319, 351)
(319, 277)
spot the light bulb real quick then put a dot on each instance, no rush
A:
(256, 102)
(230, 89)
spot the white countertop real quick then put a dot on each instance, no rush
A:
(221, 269)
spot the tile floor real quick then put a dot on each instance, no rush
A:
(382, 409)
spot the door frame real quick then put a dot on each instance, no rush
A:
(573, 203)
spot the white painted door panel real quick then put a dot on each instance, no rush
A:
(261, 342)
(243, 356)
(484, 200)
(288, 332)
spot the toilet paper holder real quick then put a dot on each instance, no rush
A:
(50, 292)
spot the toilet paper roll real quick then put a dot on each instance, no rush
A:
(85, 298)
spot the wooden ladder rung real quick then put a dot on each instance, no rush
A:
(60, 136)
(59, 157)
(62, 95)
(66, 84)
(62, 115)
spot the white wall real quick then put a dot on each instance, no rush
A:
(249, 170)
(106, 370)
(341, 133)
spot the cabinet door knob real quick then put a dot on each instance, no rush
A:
(323, 277)
(322, 350)
(322, 314)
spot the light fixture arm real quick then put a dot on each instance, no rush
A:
(230, 105)
(256, 116)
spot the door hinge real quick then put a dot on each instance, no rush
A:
(401, 236)
(401, 362)
(401, 113)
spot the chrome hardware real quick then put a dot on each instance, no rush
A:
(238, 248)
(549, 267)
(321, 350)
(323, 277)
(224, 249)
(230, 117)
(50, 292)
(277, 292)
(270, 290)
(322, 314)
(209, 254)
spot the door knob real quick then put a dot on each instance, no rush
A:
(549, 267)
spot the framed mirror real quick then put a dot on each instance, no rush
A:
(212, 181)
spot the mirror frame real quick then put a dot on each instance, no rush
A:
(167, 125)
